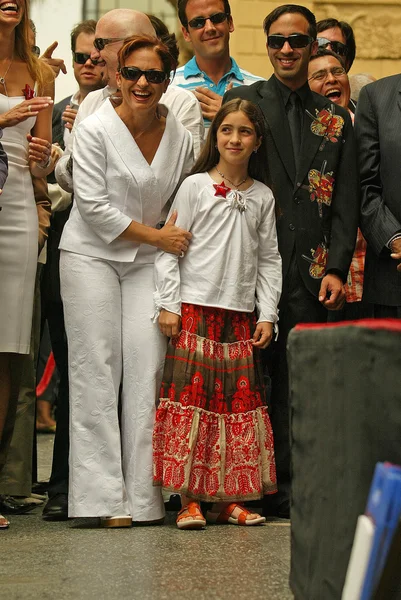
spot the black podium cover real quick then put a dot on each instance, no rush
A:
(345, 397)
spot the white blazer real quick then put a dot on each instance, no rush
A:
(114, 185)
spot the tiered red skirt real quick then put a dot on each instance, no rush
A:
(212, 438)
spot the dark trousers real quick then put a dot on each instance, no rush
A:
(382, 311)
(297, 305)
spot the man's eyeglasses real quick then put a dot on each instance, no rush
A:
(36, 50)
(297, 40)
(324, 73)
(200, 22)
(134, 74)
(80, 57)
(100, 43)
(337, 47)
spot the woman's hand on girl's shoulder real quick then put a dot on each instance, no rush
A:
(263, 334)
(169, 323)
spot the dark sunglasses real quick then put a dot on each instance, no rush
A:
(100, 43)
(200, 22)
(337, 47)
(297, 40)
(134, 74)
(36, 50)
(80, 57)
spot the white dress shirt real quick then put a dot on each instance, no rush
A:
(182, 104)
(232, 261)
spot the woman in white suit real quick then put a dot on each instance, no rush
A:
(128, 162)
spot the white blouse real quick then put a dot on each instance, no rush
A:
(232, 261)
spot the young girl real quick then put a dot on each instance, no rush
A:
(212, 438)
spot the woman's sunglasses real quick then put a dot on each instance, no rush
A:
(36, 50)
(297, 40)
(134, 74)
(200, 22)
(337, 47)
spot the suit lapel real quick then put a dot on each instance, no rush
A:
(310, 142)
(274, 112)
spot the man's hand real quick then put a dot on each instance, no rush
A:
(57, 64)
(169, 323)
(396, 252)
(24, 110)
(210, 102)
(69, 116)
(39, 150)
(173, 239)
(263, 334)
(332, 292)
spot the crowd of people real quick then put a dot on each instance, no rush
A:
(191, 217)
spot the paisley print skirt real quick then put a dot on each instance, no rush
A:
(212, 437)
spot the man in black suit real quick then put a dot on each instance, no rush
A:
(312, 164)
(89, 77)
(377, 129)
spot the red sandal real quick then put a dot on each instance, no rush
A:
(191, 510)
(224, 517)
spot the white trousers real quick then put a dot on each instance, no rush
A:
(112, 341)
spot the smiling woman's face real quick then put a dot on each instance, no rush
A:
(328, 83)
(11, 11)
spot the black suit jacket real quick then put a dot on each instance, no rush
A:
(57, 123)
(378, 132)
(319, 199)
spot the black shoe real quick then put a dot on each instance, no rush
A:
(279, 507)
(11, 506)
(40, 487)
(56, 508)
(174, 503)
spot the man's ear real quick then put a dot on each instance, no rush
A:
(185, 33)
(314, 47)
(118, 79)
(230, 24)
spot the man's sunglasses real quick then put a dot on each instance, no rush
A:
(200, 22)
(36, 50)
(297, 40)
(100, 43)
(134, 74)
(80, 57)
(337, 47)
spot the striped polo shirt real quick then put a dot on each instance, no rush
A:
(190, 77)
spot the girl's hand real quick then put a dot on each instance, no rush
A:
(169, 323)
(24, 110)
(263, 334)
(173, 239)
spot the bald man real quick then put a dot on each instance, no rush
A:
(117, 25)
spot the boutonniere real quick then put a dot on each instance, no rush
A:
(317, 261)
(28, 92)
(234, 198)
(327, 125)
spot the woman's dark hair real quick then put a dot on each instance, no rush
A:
(165, 36)
(291, 8)
(209, 157)
(324, 52)
(348, 34)
(182, 5)
(137, 42)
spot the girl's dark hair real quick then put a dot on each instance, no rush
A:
(209, 157)
(136, 42)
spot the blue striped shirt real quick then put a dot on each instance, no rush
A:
(189, 77)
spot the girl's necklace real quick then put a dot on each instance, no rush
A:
(3, 79)
(236, 185)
